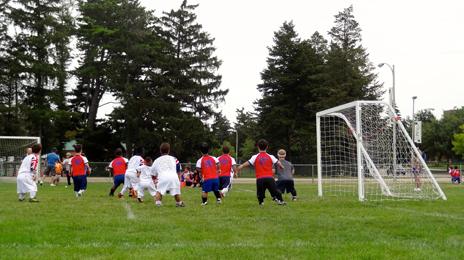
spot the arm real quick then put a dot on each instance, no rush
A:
(243, 165)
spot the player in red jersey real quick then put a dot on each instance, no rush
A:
(79, 166)
(264, 163)
(209, 168)
(117, 168)
(228, 169)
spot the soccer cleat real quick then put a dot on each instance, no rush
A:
(21, 199)
(417, 189)
(219, 201)
(282, 203)
(52, 185)
(180, 205)
(41, 183)
(140, 200)
(204, 203)
(294, 198)
(120, 195)
(261, 204)
(33, 200)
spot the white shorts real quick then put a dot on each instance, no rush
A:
(131, 180)
(150, 186)
(171, 184)
(25, 183)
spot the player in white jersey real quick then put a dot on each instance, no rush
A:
(27, 175)
(145, 175)
(130, 178)
(167, 168)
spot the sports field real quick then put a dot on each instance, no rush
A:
(97, 226)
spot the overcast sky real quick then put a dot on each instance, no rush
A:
(423, 39)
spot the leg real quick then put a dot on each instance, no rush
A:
(158, 198)
(291, 188)
(271, 186)
(260, 189)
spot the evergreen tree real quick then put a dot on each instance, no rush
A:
(193, 66)
(351, 75)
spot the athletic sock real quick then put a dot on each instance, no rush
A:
(217, 194)
(204, 199)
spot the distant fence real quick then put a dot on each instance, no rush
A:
(99, 169)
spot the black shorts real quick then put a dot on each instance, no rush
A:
(286, 186)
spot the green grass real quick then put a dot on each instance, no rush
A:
(97, 226)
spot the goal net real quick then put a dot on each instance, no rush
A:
(12, 152)
(364, 151)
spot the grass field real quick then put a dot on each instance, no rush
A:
(97, 226)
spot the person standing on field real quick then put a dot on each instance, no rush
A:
(51, 159)
(117, 167)
(228, 169)
(27, 175)
(209, 168)
(79, 166)
(264, 163)
(130, 177)
(167, 169)
(67, 168)
(285, 181)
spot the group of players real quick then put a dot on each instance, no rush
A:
(162, 176)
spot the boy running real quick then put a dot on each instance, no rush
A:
(208, 166)
(228, 169)
(117, 168)
(130, 178)
(27, 175)
(145, 175)
(263, 163)
(285, 181)
(167, 168)
(79, 164)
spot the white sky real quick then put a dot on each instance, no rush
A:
(423, 39)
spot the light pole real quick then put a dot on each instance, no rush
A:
(236, 145)
(392, 68)
(413, 118)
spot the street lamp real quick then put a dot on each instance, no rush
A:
(413, 118)
(392, 68)
(236, 144)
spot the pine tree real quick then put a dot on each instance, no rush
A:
(193, 67)
(350, 71)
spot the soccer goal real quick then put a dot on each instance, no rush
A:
(12, 152)
(364, 151)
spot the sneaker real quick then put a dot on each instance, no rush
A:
(140, 200)
(111, 194)
(158, 203)
(41, 183)
(219, 201)
(120, 195)
(21, 199)
(417, 189)
(204, 203)
(282, 203)
(33, 200)
(52, 185)
(180, 205)
(294, 198)
(261, 204)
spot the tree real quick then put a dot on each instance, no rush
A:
(192, 71)
(351, 75)
(458, 142)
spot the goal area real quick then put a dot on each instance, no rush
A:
(364, 151)
(12, 151)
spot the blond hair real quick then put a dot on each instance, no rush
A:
(282, 152)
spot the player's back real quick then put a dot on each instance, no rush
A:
(166, 166)
(145, 173)
(119, 165)
(208, 166)
(225, 163)
(263, 163)
(134, 162)
(78, 165)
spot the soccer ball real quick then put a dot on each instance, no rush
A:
(41, 182)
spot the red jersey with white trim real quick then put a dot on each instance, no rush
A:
(208, 166)
(263, 163)
(119, 165)
(226, 162)
(78, 165)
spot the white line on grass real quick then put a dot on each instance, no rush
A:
(245, 190)
(130, 214)
(428, 214)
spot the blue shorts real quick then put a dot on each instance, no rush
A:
(80, 182)
(210, 185)
(118, 180)
(224, 182)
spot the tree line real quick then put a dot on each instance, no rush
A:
(59, 58)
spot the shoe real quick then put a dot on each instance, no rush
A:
(180, 205)
(66, 186)
(21, 199)
(261, 204)
(111, 194)
(219, 201)
(33, 200)
(159, 204)
(417, 189)
(282, 203)
(140, 200)
(294, 198)
(41, 183)
(120, 195)
(204, 203)
(52, 185)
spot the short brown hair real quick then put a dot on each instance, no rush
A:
(36, 148)
(77, 148)
(262, 144)
(225, 149)
(165, 148)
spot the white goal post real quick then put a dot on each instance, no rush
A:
(364, 150)
(12, 152)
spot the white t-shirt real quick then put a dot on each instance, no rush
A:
(29, 164)
(166, 167)
(134, 162)
(146, 173)
(67, 164)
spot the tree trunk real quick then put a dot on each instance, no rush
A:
(93, 108)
